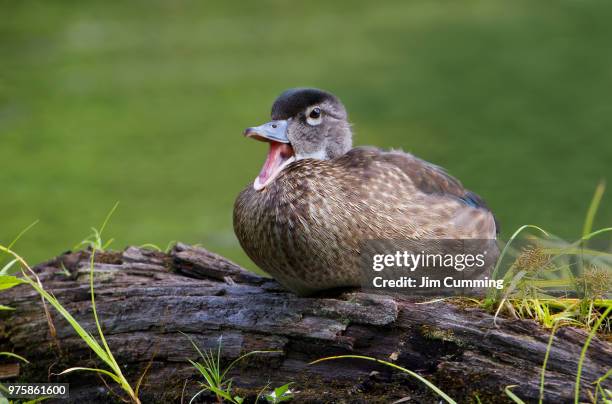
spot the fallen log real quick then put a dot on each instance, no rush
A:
(149, 303)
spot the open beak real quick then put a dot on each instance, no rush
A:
(280, 153)
(275, 131)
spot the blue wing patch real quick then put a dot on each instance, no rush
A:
(473, 200)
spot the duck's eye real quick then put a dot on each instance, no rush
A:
(314, 116)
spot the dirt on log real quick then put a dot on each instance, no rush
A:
(149, 302)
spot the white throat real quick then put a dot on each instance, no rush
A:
(318, 155)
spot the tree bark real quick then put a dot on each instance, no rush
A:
(149, 302)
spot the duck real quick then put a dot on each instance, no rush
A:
(305, 217)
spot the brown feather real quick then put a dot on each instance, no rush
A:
(307, 226)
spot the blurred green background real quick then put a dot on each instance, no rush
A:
(144, 103)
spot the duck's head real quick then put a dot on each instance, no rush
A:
(307, 123)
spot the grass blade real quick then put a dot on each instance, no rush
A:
(510, 241)
(261, 392)
(85, 336)
(14, 355)
(111, 360)
(9, 281)
(548, 348)
(393, 365)
(513, 396)
(21, 233)
(604, 377)
(7, 267)
(593, 207)
(583, 352)
(596, 232)
(102, 371)
(197, 394)
(235, 361)
(108, 216)
(91, 342)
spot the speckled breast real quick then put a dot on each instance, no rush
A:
(305, 228)
(298, 229)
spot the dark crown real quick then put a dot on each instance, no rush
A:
(295, 100)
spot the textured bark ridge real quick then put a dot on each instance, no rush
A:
(146, 300)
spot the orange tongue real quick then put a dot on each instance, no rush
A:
(277, 155)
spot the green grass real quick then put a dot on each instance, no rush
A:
(216, 376)
(545, 362)
(554, 281)
(102, 350)
(145, 103)
(583, 353)
(559, 283)
(606, 395)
